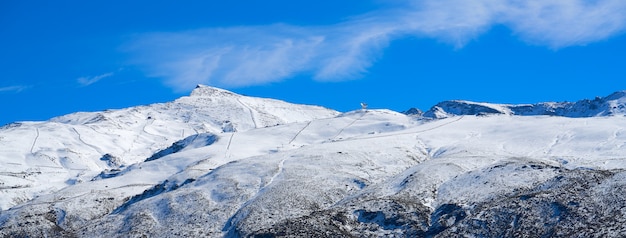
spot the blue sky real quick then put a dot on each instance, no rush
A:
(60, 57)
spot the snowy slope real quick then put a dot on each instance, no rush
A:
(362, 173)
(40, 157)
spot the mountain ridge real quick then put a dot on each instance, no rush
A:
(216, 163)
(613, 104)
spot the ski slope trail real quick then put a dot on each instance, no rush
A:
(252, 117)
(230, 142)
(299, 132)
(405, 132)
(350, 124)
(32, 147)
(80, 138)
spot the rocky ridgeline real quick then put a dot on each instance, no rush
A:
(574, 203)
(614, 104)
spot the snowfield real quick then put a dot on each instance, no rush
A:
(220, 164)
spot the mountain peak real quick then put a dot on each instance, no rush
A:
(208, 91)
(460, 107)
(617, 96)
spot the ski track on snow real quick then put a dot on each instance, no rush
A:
(251, 113)
(350, 124)
(230, 141)
(90, 145)
(32, 147)
(617, 134)
(300, 131)
(402, 133)
(149, 123)
(612, 139)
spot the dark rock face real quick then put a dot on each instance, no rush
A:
(575, 203)
(164, 187)
(203, 139)
(413, 112)
(36, 223)
(384, 217)
(578, 203)
(569, 203)
(460, 108)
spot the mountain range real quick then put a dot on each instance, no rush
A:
(216, 164)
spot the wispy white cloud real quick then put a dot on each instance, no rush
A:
(86, 81)
(14, 88)
(240, 56)
(243, 56)
(556, 23)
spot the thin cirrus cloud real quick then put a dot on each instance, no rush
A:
(86, 81)
(14, 88)
(253, 55)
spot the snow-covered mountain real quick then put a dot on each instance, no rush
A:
(606, 106)
(221, 164)
(43, 157)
